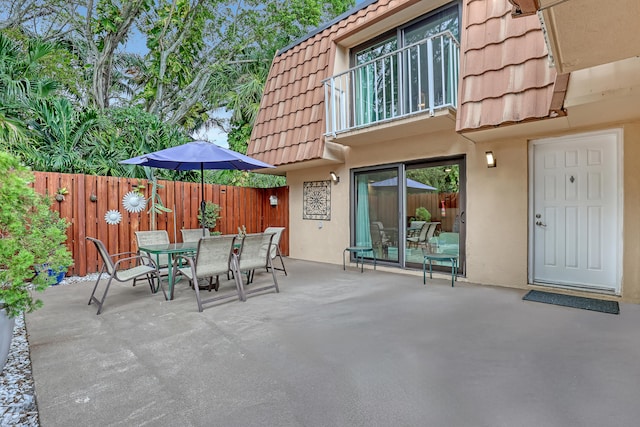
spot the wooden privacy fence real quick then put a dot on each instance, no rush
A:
(250, 207)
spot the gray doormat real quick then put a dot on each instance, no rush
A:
(573, 301)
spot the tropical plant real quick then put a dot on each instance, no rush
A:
(61, 135)
(156, 207)
(31, 236)
(20, 81)
(211, 215)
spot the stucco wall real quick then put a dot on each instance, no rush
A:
(319, 240)
(497, 214)
(631, 224)
(496, 208)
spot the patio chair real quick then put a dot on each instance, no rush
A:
(193, 234)
(211, 259)
(420, 238)
(377, 240)
(389, 234)
(118, 267)
(156, 237)
(255, 254)
(275, 246)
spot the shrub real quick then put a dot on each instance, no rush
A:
(32, 238)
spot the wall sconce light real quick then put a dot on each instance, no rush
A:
(491, 160)
(335, 178)
(273, 200)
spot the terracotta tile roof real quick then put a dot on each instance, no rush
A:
(505, 78)
(290, 123)
(505, 75)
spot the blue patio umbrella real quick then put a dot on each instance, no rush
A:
(196, 155)
(411, 184)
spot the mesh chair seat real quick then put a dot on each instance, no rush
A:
(132, 273)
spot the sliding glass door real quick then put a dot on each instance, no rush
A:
(376, 212)
(401, 210)
(435, 215)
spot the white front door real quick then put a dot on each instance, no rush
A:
(575, 211)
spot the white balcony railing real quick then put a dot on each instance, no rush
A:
(417, 78)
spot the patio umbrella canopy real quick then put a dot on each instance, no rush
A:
(411, 184)
(197, 155)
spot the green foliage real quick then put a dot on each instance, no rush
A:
(156, 207)
(246, 179)
(31, 235)
(272, 25)
(20, 82)
(445, 178)
(422, 214)
(238, 137)
(133, 132)
(202, 56)
(211, 215)
(61, 135)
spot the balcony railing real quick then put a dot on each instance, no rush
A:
(417, 78)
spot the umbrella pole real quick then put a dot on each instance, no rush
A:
(202, 202)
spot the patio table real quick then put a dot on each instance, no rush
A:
(171, 249)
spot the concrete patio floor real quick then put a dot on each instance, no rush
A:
(334, 348)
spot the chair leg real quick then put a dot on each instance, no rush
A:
(197, 289)
(237, 276)
(281, 260)
(424, 271)
(150, 279)
(273, 274)
(104, 296)
(160, 286)
(91, 298)
(94, 289)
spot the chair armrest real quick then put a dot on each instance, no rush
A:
(138, 258)
(130, 254)
(178, 260)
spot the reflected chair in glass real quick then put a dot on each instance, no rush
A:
(420, 238)
(378, 241)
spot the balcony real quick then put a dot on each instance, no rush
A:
(419, 78)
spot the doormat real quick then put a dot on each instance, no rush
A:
(573, 301)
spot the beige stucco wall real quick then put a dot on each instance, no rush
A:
(496, 208)
(631, 224)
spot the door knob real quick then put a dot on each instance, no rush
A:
(541, 224)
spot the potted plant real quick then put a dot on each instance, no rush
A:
(60, 193)
(422, 214)
(211, 215)
(31, 235)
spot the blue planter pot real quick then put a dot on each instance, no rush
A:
(58, 275)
